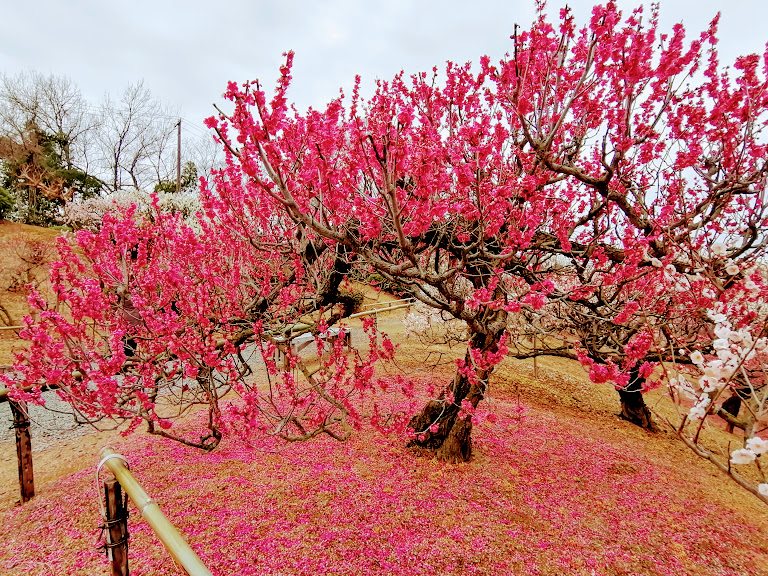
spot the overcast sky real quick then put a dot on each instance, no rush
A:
(186, 51)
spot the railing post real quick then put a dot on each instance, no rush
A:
(23, 449)
(170, 537)
(116, 527)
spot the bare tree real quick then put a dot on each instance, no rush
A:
(54, 104)
(125, 141)
(135, 139)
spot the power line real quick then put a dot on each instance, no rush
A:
(190, 124)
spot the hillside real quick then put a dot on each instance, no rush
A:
(557, 485)
(25, 252)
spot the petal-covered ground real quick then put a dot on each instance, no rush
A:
(548, 492)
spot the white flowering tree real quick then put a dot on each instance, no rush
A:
(722, 375)
(87, 214)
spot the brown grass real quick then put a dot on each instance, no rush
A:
(17, 243)
(561, 395)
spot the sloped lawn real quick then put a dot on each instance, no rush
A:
(546, 492)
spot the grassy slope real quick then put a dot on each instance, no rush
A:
(13, 238)
(558, 485)
(547, 492)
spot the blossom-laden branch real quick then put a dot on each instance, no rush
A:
(583, 179)
(602, 187)
(153, 316)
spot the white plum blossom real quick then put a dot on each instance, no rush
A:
(682, 386)
(723, 330)
(724, 355)
(686, 389)
(424, 321)
(718, 249)
(749, 285)
(745, 338)
(709, 384)
(720, 344)
(742, 456)
(89, 213)
(732, 269)
(757, 445)
(726, 370)
(717, 317)
(673, 383)
(700, 409)
(716, 369)
(418, 320)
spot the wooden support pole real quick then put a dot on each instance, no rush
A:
(170, 537)
(281, 356)
(116, 526)
(43, 388)
(23, 449)
(386, 309)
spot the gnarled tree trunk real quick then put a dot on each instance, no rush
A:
(633, 408)
(452, 440)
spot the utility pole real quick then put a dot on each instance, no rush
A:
(178, 159)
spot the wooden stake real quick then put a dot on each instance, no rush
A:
(116, 527)
(150, 512)
(23, 450)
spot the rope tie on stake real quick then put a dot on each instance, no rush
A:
(104, 543)
(104, 540)
(170, 537)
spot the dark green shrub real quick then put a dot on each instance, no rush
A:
(7, 203)
(352, 299)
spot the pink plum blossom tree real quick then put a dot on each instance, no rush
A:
(606, 181)
(153, 314)
(589, 168)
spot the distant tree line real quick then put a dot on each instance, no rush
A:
(57, 148)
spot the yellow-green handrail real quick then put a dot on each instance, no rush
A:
(170, 537)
